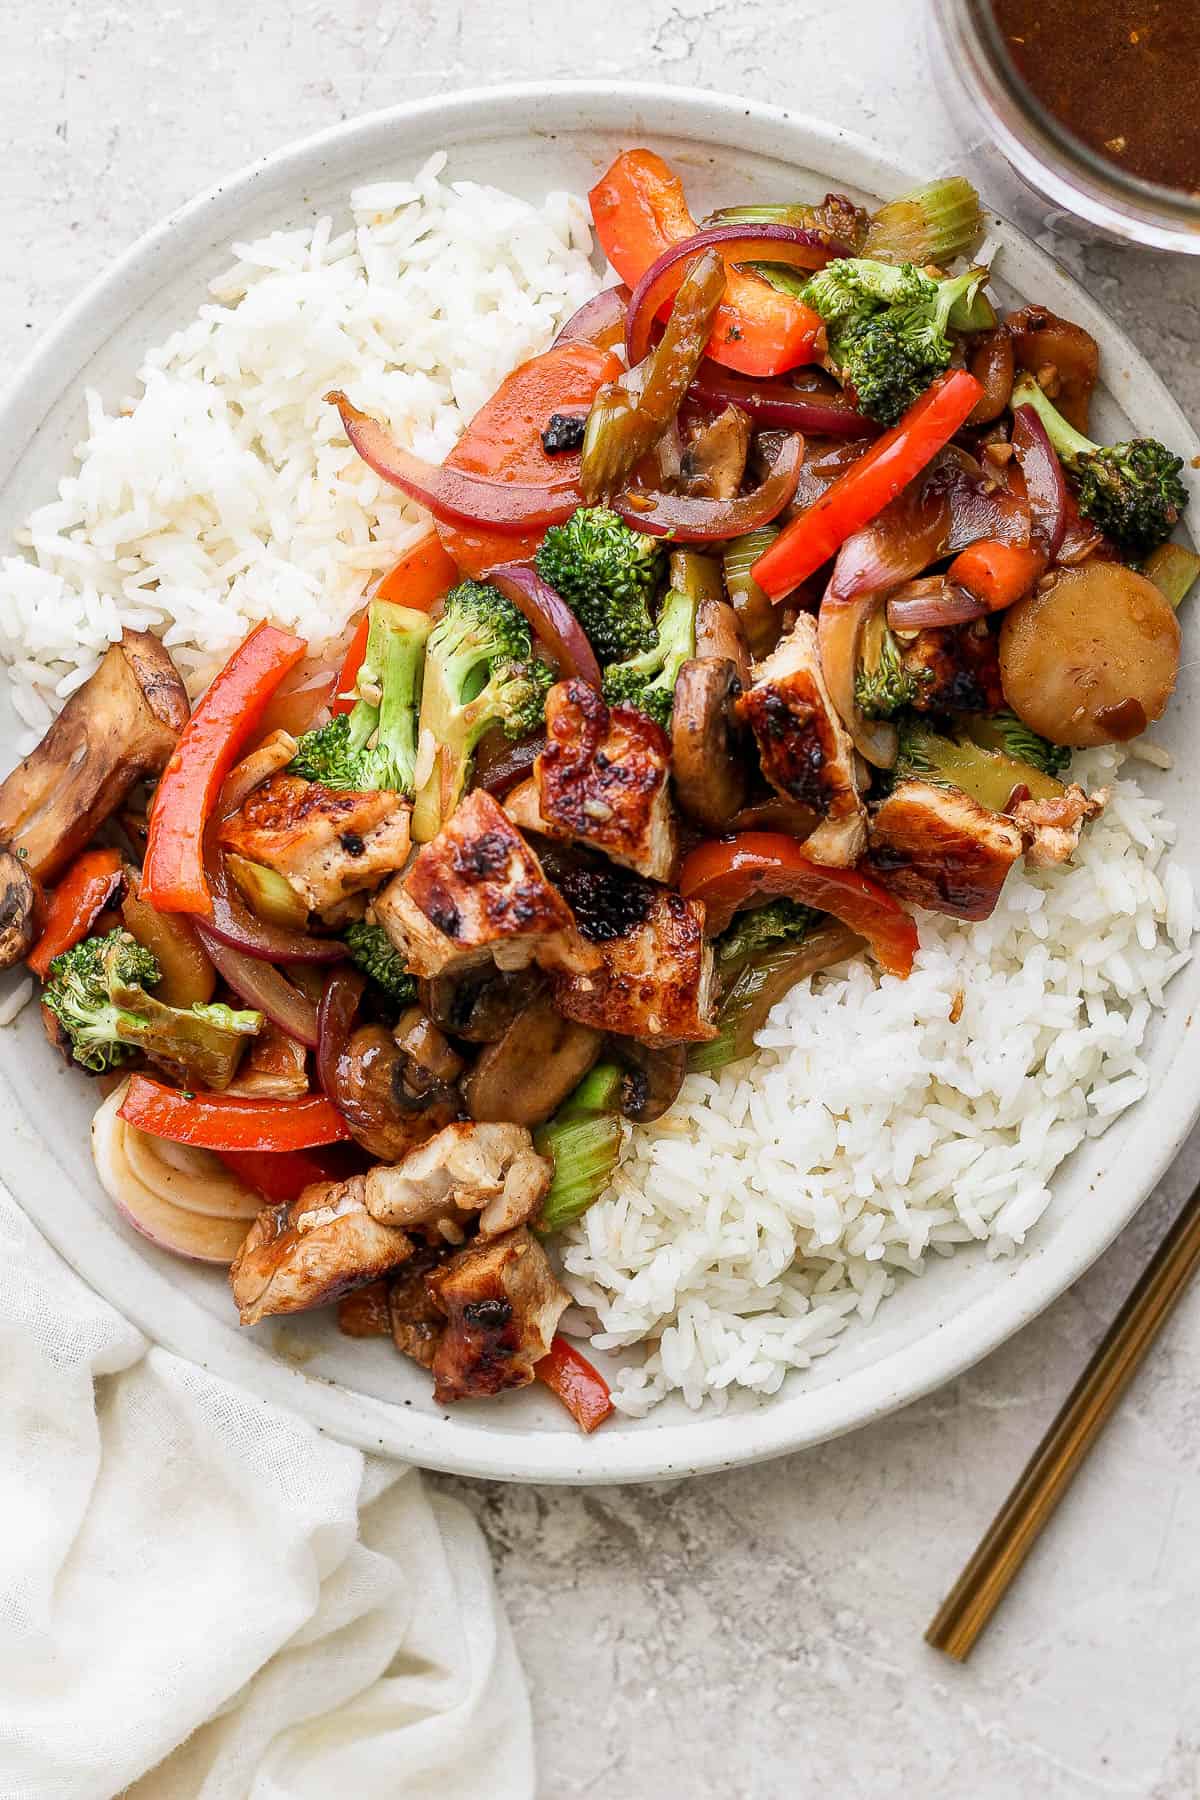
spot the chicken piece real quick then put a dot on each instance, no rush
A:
(655, 982)
(312, 1251)
(958, 668)
(502, 1305)
(491, 1169)
(476, 893)
(416, 1323)
(364, 1312)
(602, 780)
(327, 843)
(119, 727)
(1051, 828)
(805, 750)
(936, 847)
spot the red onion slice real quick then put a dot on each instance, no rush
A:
(335, 1018)
(233, 924)
(793, 245)
(777, 403)
(550, 618)
(936, 601)
(454, 495)
(700, 521)
(262, 986)
(599, 321)
(1044, 479)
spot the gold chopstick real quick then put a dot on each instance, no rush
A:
(1052, 1467)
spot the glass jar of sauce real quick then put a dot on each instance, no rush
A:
(1095, 103)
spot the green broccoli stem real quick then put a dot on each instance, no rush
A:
(1067, 442)
(391, 668)
(584, 1142)
(647, 681)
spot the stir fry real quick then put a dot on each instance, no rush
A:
(762, 611)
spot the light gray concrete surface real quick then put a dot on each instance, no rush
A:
(756, 1634)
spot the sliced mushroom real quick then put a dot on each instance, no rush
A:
(714, 461)
(117, 728)
(719, 633)
(432, 1064)
(480, 1005)
(653, 1077)
(525, 1075)
(707, 760)
(386, 1117)
(18, 899)
(1064, 357)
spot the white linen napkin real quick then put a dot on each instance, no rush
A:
(188, 1574)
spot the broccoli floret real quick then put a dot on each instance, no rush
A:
(1004, 731)
(648, 681)
(583, 1140)
(1131, 491)
(765, 928)
(888, 327)
(372, 951)
(98, 992)
(987, 775)
(480, 671)
(882, 684)
(375, 744)
(608, 575)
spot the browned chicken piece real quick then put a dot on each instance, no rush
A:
(602, 780)
(502, 1305)
(365, 1312)
(313, 1251)
(489, 1169)
(958, 668)
(805, 750)
(119, 727)
(416, 1322)
(326, 843)
(655, 982)
(936, 847)
(476, 893)
(1051, 828)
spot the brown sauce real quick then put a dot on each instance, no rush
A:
(1123, 721)
(1123, 76)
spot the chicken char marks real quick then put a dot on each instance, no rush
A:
(655, 978)
(502, 1304)
(602, 781)
(326, 843)
(477, 893)
(805, 750)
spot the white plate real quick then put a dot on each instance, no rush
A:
(530, 140)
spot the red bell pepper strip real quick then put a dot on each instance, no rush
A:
(422, 576)
(572, 1379)
(281, 1176)
(225, 718)
(229, 1122)
(639, 211)
(504, 441)
(75, 904)
(726, 872)
(868, 485)
(997, 573)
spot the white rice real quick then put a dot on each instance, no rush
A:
(225, 492)
(773, 1207)
(775, 1204)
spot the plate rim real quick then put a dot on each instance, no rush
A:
(707, 1442)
